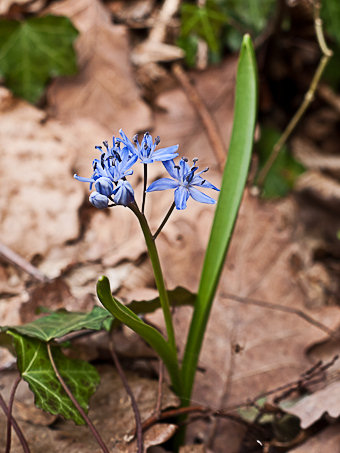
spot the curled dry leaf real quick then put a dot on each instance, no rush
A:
(104, 89)
(327, 440)
(312, 407)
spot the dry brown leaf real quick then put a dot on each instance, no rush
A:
(312, 407)
(327, 441)
(104, 90)
(32, 6)
(39, 202)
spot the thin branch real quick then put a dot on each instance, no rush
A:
(203, 113)
(166, 218)
(309, 96)
(16, 427)
(139, 431)
(271, 306)
(9, 415)
(75, 402)
(22, 264)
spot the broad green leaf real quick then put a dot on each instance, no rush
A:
(36, 369)
(148, 333)
(233, 183)
(284, 171)
(61, 323)
(34, 50)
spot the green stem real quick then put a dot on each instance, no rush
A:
(163, 295)
(166, 218)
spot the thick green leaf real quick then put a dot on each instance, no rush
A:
(284, 171)
(233, 183)
(33, 51)
(148, 333)
(36, 369)
(63, 322)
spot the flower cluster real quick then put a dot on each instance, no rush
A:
(114, 165)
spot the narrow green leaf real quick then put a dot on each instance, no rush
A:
(33, 50)
(61, 323)
(148, 333)
(233, 183)
(36, 369)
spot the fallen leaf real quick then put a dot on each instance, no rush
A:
(327, 440)
(104, 90)
(312, 407)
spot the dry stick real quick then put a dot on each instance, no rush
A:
(75, 402)
(21, 263)
(309, 96)
(16, 427)
(271, 306)
(203, 113)
(9, 415)
(128, 390)
(158, 407)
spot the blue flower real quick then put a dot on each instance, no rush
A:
(123, 193)
(109, 176)
(98, 200)
(184, 180)
(146, 150)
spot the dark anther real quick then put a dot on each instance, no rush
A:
(135, 138)
(177, 166)
(146, 134)
(157, 140)
(145, 146)
(99, 147)
(185, 159)
(105, 143)
(195, 160)
(95, 166)
(102, 158)
(202, 182)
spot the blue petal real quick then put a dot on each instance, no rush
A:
(181, 197)
(124, 194)
(199, 181)
(170, 168)
(162, 184)
(80, 178)
(98, 200)
(201, 197)
(165, 154)
(104, 186)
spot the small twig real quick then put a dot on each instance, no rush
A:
(9, 415)
(309, 96)
(158, 32)
(128, 390)
(144, 186)
(271, 306)
(19, 262)
(16, 427)
(166, 218)
(75, 402)
(203, 113)
(158, 407)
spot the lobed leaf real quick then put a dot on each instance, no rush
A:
(36, 369)
(33, 50)
(61, 323)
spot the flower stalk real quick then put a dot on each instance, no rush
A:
(163, 295)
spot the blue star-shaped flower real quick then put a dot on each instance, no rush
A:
(146, 150)
(184, 182)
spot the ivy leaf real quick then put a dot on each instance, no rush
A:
(61, 323)
(33, 51)
(284, 171)
(36, 369)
